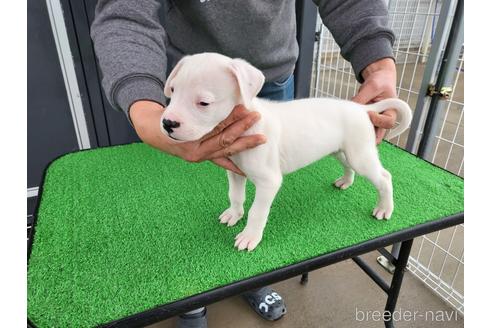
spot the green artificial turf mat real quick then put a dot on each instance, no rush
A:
(123, 229)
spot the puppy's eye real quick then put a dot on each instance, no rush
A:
(204, 104)
(172, 89)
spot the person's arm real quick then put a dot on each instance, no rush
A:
(360, 28)
(217, 146)
(379, 83)
(130, 46)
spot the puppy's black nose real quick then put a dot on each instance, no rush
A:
(168, 125)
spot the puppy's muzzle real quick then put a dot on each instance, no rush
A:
(169, 125)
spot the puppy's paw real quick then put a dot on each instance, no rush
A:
(344, 182)
(248, 239)
(382, 212)
(231, 216)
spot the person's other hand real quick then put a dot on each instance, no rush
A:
(224, 141)
(379, 83)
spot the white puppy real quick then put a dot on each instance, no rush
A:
(204, 88)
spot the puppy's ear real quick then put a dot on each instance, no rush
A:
(170, 78)
(249, 80)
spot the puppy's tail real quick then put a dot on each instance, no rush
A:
(404, 113)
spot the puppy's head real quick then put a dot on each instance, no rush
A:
(204, 89)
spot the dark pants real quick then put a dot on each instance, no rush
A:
(278, 90)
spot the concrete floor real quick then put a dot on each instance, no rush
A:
(331, 299)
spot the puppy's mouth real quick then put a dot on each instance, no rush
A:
(174, 138)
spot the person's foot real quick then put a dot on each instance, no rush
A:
(266, 302)
(193, 319)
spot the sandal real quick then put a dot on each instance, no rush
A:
(266, 302)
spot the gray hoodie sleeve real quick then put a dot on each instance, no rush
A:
(130, 45)
(360, 28)
(130, 41)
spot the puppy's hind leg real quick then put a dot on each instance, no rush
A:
(237, 189)
(348, 176)
(385, 206)
(365, 161)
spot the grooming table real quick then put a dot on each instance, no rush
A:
(127, 236)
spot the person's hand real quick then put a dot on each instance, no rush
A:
(379, 83)
(224, 141)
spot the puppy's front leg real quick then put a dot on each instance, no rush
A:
(266, 190)
(237, 185)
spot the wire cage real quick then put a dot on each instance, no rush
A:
(437, 259)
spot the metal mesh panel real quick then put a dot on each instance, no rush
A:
(437, 259)
(413, 30)
(450, 146)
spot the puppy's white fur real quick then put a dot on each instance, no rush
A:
(204, 88)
